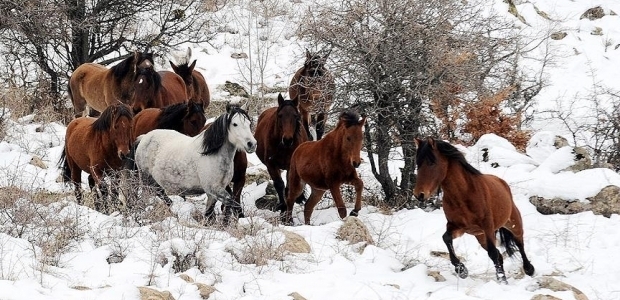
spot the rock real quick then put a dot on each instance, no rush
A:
(545, 297)
(294, 243)
(435, 274)
(354, 231)
(38, 162)
(606, 202)
(187, 278)
(296, 296)
(558, 206)
(241, 55)
(204, 290)
(560, 142)
(269, 202)
(597, 31)
(593, 13)
(235, 89)
(558, 35)
(147, 293)
(555, 285)
(582, 160)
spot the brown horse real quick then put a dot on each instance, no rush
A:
(96, 146)
(195, 83)
(314, 85)
(326, 165)
(157, 89)
(279, 131)
(98, 87)
(185, 117)
(474, 203)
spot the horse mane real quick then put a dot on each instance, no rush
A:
(425, 153)
(107, 117)
(350, 118)
(216, 135)
(121, 69)
(172, 115)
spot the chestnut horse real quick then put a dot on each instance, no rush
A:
(157, 89)
(195, 83)
(326, 165)
(96, 146)
(97, 87)
(314, 85)
(474, 203)
(279, 131)
(186, 117)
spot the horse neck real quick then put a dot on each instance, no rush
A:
(457, 180)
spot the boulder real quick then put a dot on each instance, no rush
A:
(606, 203)
(205, 290)
(294, 243)
(593, 13)
(354, 231)
(555, 285)
(147, 293)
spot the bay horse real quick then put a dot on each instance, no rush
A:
(98, 87)
(178, 164)
(157, 89)
(326, 164)
(474, 203)
(279, 131)
(96, 146)
(195, 83)
(186, 117)
(314, 85)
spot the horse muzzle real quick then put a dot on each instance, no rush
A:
(250, 147)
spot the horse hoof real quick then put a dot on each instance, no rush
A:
(501, 278)
(353, 213)
(529, 270)
(461, 271)
(281, 207)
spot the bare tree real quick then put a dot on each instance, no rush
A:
(56, 36)
(393, 59)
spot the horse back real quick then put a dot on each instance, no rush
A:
(87, 84)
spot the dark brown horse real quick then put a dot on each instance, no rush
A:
(314, 85)
(96, 146)
(326, 165)
(279, 131)
(157, 89)
(98, 87)
(195, 83)
(474, 203)
(185, 117)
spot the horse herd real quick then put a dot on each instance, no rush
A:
(154, 122)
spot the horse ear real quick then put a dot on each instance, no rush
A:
(189, 53)
(280, 99)
(174, 67)
(417, 142)
(191, 67)
(431, 142)
(363, 121)
(308, 55)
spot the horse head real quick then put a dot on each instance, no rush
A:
(314, 66)
(288, 120)
(350, 128)
(432, 169)
(194, 119)
(240, 129)
(119, 116)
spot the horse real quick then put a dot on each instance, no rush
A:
(195, 83)
(326, 164)
(99, 87)
(474, 203)
(96, 146)
(177, 164)
(314, 85)
(186, 117)
(279, 131)
(157, 89)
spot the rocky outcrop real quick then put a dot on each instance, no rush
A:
(606, 203)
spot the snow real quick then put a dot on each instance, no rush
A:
(109, 257)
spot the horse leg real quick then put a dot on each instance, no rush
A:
(451, 233)
(295, 189)
(76, 178)
(515, 228)
(314, 199)
(210, 207)
(306, 123)
(148, 180)
(320, 125)
(487, 241)
(359, 187)
(100, 188)
(342, 209)
(278, 184)
(232, 207)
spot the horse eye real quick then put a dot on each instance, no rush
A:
(235, 124)
(349, 139)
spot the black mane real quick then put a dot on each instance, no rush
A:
(111, 113)
(216, 135)
(350, 118)
(425, 153)
(123, 68)
(172, 116)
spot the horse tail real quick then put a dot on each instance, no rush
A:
(507, 239)
(64, 165)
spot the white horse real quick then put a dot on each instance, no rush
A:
(177, 164)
